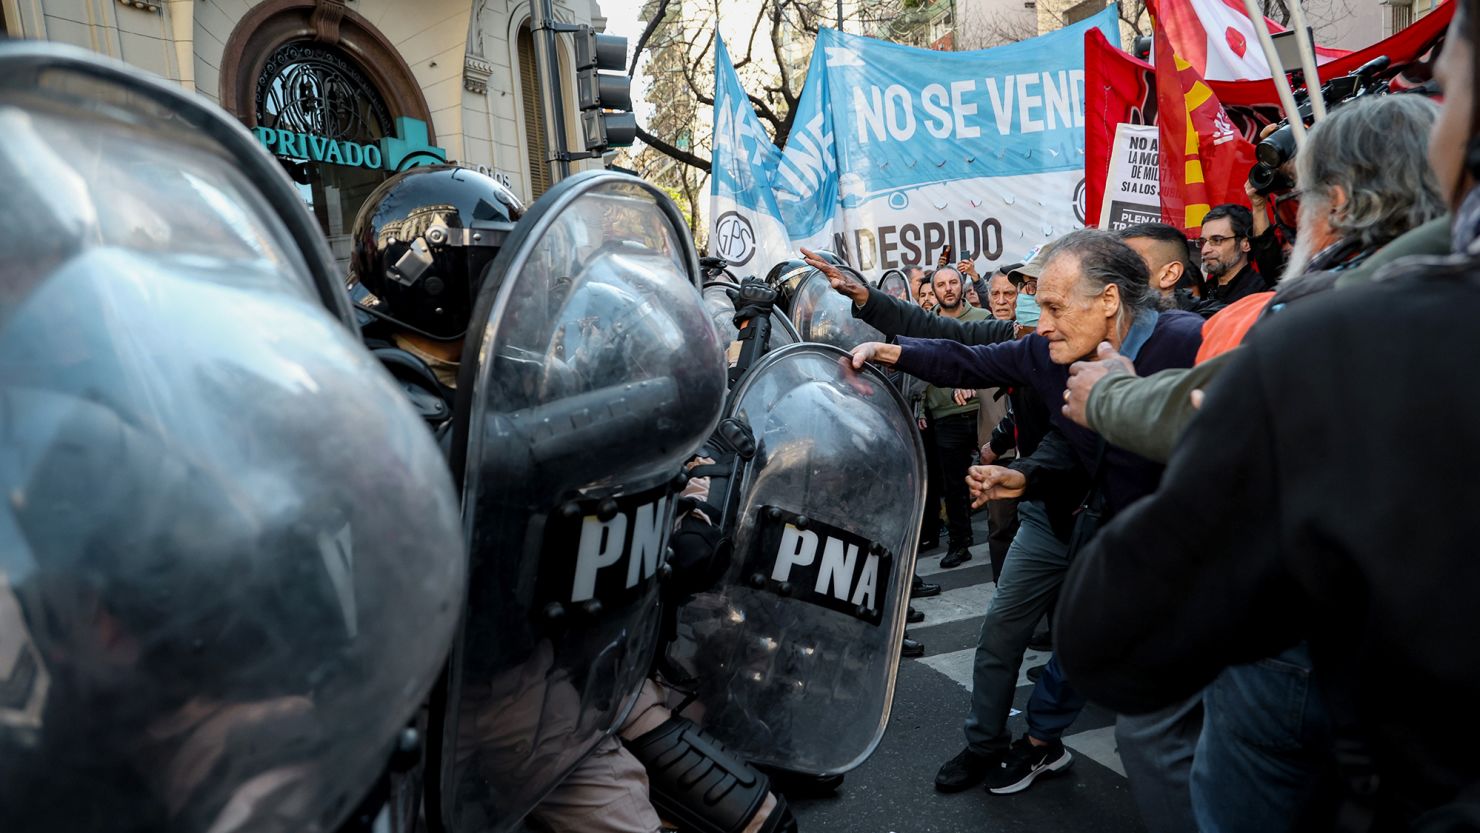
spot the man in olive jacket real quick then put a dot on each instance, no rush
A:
(1179, 587)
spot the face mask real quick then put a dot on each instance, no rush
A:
(1027, 310)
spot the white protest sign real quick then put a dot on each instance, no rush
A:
(1133, 186)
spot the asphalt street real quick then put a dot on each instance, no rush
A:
(894, 792)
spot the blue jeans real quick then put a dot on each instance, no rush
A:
(1031, 577)
(1157, 750)
(1263, 758)
(1054, 704)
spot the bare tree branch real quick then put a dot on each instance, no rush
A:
(688, 74)
(1133, 13)
(763, 109)
(680, 59)
(647, 33)
(780, 56)
(674, 152)
(760, 15)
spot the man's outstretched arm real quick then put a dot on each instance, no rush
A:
(946, 363)
(895, 317)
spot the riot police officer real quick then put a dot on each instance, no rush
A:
(422, 241)
(571, 369)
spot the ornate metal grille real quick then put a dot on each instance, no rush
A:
(310, 89)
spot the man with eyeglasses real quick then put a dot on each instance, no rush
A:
(1225, 254)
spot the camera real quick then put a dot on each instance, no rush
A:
(1269, 179)
(1279, 147)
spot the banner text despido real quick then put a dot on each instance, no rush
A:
(897, 152)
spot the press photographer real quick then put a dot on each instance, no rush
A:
(1272, 181)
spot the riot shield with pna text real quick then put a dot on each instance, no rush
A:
(793, 654)
(592, 373)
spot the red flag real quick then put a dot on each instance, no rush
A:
(1117, 89)
(1218, 39)
(1204, 160)
(1403, 47)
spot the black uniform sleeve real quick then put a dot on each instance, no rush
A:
(895, 317)
(1186, 582)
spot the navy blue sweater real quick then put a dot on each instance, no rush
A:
(1125, 476)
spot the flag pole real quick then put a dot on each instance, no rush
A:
(1308, 61)
(1277, 70)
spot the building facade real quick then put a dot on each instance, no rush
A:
(346, 92)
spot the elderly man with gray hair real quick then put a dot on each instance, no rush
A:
(1364, 180)
(1094, 290)
(1365, 183)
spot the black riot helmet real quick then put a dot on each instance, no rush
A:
(787, 275)
(421, 243)
(785, 270)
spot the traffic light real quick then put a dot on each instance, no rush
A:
(606, 97)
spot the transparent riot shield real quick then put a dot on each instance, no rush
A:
(593, 374)
(161, 107)
(721, 311)
(824, 316)
(230, 556)
(794, 652)
(894, 284)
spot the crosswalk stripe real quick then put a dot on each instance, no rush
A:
(969, 603)
(929, 565)
(955, 605)
(958, 665)
(1096, 744)
(1099, 746)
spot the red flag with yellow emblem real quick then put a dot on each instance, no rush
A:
(1204, 159)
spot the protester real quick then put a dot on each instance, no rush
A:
(931, 520)
(1043, 535)
(971, 295)
(1025, 280)
(1092, 288)
(1002, 293)
(953, 421)
(977, 288)
(1369, 590)
(1166, 253)
(996, 429)
(924, 295)
(1225, 255)
(913, 274)
(1363, 183)
(924, 291)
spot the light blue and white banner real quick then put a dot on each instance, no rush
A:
(897, 152)
(745, 224)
